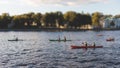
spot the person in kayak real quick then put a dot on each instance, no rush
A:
(85, 44)
(64, 38)
(16, 39)
(94, 44)
(59, 38)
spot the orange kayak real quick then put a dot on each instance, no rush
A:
(78, 47)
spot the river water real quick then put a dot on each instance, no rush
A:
(36, 51)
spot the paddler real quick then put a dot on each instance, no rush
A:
(64, 38)
(94, 44)
(59, 38)
(85, 44)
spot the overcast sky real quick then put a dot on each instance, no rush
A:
(15, 7)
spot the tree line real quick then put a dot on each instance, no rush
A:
(57, 19)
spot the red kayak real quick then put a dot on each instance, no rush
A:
(78, 47)
(111, 39)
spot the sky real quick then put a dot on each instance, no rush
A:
(16, 7)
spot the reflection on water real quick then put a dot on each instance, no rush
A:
(36, 51)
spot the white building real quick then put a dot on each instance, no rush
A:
(117, 23)
(111, 23)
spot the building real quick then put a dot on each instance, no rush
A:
(111, 23)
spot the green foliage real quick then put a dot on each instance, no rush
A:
(76, 19)
(59, 18)
(96, 18)
(5, 19)
(70, 16)
(37, 20)
(50, 19)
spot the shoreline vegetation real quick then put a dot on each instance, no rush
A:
(59, 29)
(55, 21)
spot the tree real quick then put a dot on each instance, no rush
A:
(19, 21)
(49, 19)
(5, 19)
(37, 19)
(70, 18)
(29, 19)
(45, 19)
(76, 19)
(59, 18)
(96, 18)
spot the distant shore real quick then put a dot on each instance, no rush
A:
(59, 29)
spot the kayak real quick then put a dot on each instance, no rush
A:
(99, 35)
(59, 40)
(112, 39)
(78, 47)
(16, 40)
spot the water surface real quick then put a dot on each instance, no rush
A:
(36, 51)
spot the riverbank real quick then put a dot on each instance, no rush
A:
(58, 29)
